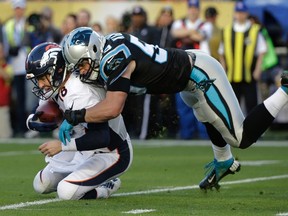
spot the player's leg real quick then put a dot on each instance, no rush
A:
(214, 101)
(97, 176)
(262, 116)
(223, 163)
(215, 104)
(46, 181)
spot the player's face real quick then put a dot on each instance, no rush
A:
(83, 67)
(44, 83)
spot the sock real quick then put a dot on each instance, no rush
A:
(90, 195)
(276, 101)
(222, 153)
(255, 124)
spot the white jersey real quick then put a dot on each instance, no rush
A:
(74, 173)
(77, 95)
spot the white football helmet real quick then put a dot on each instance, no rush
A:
(84, 44)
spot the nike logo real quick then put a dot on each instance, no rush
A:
(210, 180)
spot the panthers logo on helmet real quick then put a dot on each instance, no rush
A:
(81, 38)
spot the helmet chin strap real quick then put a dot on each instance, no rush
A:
(64, 74)
(70, 66)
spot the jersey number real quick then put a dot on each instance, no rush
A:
(150, 50)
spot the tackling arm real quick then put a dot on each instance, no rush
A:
(108, 108)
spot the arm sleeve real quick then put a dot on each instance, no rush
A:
(97, 136)
(121, 84)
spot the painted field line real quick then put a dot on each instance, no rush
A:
(243, 181)
(282, 214)
(25, 204)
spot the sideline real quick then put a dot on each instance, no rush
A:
(243, 181)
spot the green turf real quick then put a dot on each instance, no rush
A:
(156, 167)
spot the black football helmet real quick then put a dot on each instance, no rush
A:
(45, 59)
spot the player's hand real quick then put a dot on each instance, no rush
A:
(75, 117)
(64, 132)
(33, 123)
(50, 148)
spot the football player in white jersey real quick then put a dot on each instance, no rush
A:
(126, 63)
(89, 165)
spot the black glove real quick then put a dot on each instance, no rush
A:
(75, 117)
(13, 51)
(33, 123)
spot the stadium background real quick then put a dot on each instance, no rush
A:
(101, 9)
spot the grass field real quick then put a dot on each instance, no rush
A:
(163, 180)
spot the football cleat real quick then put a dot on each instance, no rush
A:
(111, 186)
(218, 170)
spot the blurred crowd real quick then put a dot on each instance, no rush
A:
(252, 67)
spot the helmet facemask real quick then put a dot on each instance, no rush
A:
(54, 79)
(91, 75)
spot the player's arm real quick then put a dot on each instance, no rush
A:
(111, 106)
(114, 101)
(97, 136)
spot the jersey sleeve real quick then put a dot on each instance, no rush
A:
(115, 61)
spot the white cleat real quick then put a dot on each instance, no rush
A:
(110, 186)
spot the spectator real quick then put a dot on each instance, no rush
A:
(125, 22)
(241, 53)
(271, 69)
(46, 16)
(13, 32)
(209, 33)
(97, 27)
(43, 29)
(183, 30)
(5, 95)
(83, 18)
(164, 23)
(111, 25)
(69, 23)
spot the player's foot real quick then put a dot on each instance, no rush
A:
(218, 170)
(284, 81)
(111, 186)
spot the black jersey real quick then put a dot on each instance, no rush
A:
(157, 70)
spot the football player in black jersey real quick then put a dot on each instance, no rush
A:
(126, 64)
